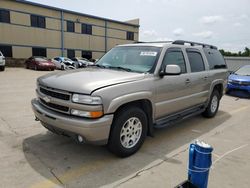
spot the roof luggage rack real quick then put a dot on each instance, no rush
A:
(183, 42)
(154, 42)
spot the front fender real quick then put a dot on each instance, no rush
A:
(127, 98)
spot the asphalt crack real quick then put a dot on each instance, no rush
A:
(28, 150)
(153, 166)
(9, 127)
(57, 178)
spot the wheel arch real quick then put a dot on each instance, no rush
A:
(143, 103)
(219, 85)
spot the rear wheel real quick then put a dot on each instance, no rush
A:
(213, 105)
(129, 131)
(2, 68)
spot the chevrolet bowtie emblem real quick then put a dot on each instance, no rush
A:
(46, 99)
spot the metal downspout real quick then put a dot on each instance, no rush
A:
(106, 39)
(62, 33)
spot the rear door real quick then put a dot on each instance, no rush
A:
(199, 81)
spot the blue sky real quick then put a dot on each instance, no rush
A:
(219, 22)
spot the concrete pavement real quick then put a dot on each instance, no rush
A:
(32, 157)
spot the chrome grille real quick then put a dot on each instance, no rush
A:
(55, 94)
(50, 98)
(55, 106)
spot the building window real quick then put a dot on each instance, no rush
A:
(37, 21)
(71, 53)
(87, 29)
(87, 54)
(39, 52)
(70, 26)
(5, 16)
(6, 50)
(130, 35)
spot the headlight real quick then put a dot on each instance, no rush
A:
(86, 99)
(87, 114)
(229, 81)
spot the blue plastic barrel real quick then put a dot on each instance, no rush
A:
(200, 161)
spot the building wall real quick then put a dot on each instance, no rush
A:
(234, 63)
(23, 37)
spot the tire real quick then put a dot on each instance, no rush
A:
(2, 68)
(125, 121)
(213, 105)
(62, 67)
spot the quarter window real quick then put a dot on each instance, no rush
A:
(38, 21)
(6, 50)
(5, 16)
(175, 57)
(215, 59)
(39, 52)
(87, 29)
(70, 26)
(196, 61)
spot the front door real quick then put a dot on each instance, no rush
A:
(173, 91)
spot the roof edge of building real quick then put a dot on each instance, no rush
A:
(74, 12)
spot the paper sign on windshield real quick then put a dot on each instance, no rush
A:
(148, 54)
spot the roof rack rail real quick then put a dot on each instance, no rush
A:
(182, 42)
(154, 42)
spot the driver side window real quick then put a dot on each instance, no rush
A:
(175, 57)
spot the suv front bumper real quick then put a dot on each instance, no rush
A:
(95, 131)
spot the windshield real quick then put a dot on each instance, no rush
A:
(243, 71)
(131, 58)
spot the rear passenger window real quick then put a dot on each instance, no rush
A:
(196, 61)
(215, 59)
(175, 57)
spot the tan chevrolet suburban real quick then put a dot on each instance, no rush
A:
(132, 90)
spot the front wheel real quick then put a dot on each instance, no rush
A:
(129, 131)
(213, 105)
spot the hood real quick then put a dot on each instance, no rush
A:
(239, 77)
(87, 80)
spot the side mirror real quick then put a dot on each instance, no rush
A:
(171, 70)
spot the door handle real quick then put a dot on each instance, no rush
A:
(205, 78)
(187, 81)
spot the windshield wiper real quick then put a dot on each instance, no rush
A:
(121, 68)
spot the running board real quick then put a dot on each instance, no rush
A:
(175, 118)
